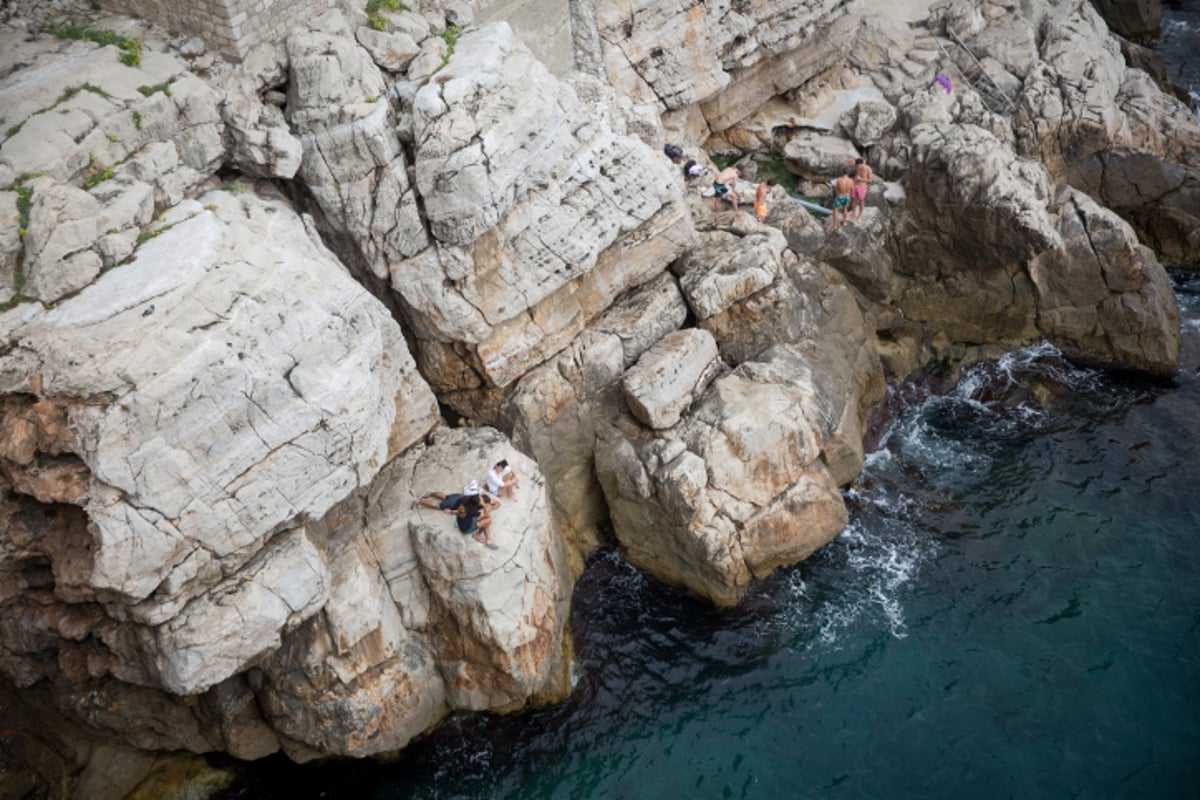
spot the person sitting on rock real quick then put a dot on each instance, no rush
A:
(471, 515)
(725, 185)
(502, 480)
(843, 188)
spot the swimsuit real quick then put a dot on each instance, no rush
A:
(841, 201)
(860, 191)
(466, 524)
(721, 189)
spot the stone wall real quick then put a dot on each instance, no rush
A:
(231, 27)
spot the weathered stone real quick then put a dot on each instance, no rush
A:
(543, 218)
(63, 223)
(257, 134)
(353, 163)
(391, 51)
(668, 376)
(10, 244)
(241, 619)
(725, 268)
(1140, 19)
(257, 456)
(868, 121)
(815, 156)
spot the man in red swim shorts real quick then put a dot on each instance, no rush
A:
(863, 175)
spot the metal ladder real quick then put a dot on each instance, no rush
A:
(975, 75)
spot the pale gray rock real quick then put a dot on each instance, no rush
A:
(1109, 131)
(422, 620)
(430, 59)
(732, 492)
(812, 155)
(10, 244)
(391, 51)
(555, 408)
(869, 121)
(353, 163)
(542, 216)
(1103, 298)
(269, 417)
(644, 316)
(724, 268)
(256, 134)
(242, 618)
(409, 23)
(669, 376)
(63, 224)
(1011, 41)
(1000, 213)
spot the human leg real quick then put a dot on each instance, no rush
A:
(431, 500)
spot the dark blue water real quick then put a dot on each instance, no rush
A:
(1180, 46)
(1014, 611)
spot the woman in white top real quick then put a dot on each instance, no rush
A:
(502, 480)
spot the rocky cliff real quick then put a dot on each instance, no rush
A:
(243, 300)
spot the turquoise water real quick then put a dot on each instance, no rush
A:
(1014, 611)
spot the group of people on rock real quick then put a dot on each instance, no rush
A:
(848, 192)
(472, 508)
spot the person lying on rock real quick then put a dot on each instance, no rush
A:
(488, 500)
(502, 480)
(471, 515)
(725, 185)
(843, 187)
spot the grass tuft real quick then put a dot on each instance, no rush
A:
(165, 88)
(375, 9)
(130, 46)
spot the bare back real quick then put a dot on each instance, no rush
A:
(727, 177)
(843, 186)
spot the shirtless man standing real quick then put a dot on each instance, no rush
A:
(863, 175)
(843, 187)
(725, 185)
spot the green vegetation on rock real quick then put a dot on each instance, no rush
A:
(165, 88)
(97, 173)
(130, 46)
(375, 12)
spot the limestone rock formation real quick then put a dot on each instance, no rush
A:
(1111, 132)
(541, 216)
(244, 402)
(746, 480)
(421, 619)
(992, 215)
(353, 163)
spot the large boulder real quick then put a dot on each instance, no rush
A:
(990, 227)
(734, 490)
(541, 213)
(353, 162)
(243, 403)
(1139, 19)
(422, 620)
(1110, 131)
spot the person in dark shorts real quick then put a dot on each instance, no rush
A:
(471, 515)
